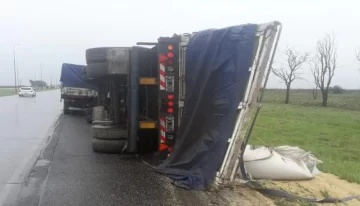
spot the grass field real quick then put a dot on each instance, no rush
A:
(348, 100)
(6, 92)
(333, 135)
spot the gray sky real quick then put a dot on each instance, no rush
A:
(53, 32)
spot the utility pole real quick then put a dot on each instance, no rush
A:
(15, 67)
(41, 76)
(18, 77)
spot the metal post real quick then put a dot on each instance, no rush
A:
(18, 77)
(15, 69)
(41, 82)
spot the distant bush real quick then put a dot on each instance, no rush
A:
(336, 89)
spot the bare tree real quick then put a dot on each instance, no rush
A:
(287, 75)
(357, 54)
(324, 64)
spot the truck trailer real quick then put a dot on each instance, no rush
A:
(142, 92)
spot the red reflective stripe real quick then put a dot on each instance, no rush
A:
(162, 130)
(162, 75)
(162, 85)
(162, 72)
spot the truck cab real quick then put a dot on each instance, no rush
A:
(77, 95)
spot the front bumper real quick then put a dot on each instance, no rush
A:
(28, 94)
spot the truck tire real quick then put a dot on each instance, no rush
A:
(97, 55)
(103, 54)
(98, 113)
(108, 146)
(96, 70)
(108, 132)
(102, 122)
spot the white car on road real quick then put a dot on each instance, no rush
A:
(27, 91)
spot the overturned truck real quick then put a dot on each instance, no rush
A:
(146, 92)
(140, 96)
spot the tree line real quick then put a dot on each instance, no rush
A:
(37, 83)
(323, 64)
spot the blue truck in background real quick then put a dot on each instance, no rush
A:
(76, 93)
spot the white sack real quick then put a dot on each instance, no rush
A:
(265, 163)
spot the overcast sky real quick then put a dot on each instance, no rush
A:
(53, 32)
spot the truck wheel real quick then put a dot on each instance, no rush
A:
(108, 146)
(104, 54)
(96, 70)
(96, 55)
(108, 132)
(102, 122)
(98, 113)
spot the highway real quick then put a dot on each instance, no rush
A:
(47, 159)
(26, 124)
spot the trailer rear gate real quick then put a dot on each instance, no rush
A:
(154, 89)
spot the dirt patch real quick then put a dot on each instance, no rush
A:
(252, 197)
(239, 195)
(324, 185)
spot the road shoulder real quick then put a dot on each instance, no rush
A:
(69, 173)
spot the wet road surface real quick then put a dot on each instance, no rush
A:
(25, 125)
(68, 172)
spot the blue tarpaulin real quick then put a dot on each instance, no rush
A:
(217, 72)
(71, 76)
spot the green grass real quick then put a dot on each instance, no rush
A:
(348, 100)
(6, 92)
(333, 135)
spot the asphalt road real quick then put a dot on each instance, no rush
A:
(25, 125)
(69, 173)
(47, 159)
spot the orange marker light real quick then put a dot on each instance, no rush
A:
(170, 47)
